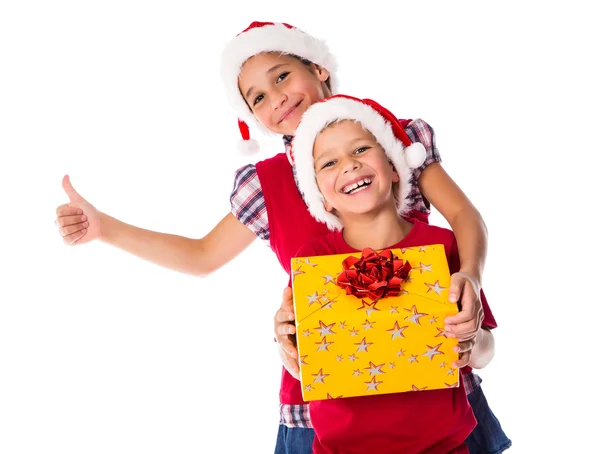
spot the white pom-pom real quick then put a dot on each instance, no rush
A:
(415, 155)
(248, 147)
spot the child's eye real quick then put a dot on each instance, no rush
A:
(328, 164)
(282, 76)
(361, 150)
(257, 99)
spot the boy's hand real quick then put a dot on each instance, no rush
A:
(285, 330)
(464, 350)
(78, 220)
(464, 325)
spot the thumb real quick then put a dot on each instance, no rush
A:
(73, 195)
(287, 301)
(457, 282)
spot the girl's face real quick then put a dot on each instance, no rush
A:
(353, 172)
(279, 88)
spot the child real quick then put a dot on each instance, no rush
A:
(273, 73)
(352, 160)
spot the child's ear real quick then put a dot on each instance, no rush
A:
(395, 177)
(322, 73)
(328, 206)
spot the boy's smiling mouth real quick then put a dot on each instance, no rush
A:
(357, 185)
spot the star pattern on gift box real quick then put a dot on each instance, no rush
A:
(397, 330)
(363, 345)
(324, 329)
(441, 333)
(414, 388)
(368, 307)
(373, 384)
(314, 298)
(323, 345)
(415, 315)
(329, 279)
(433, 351)
(423, 268)
(368, 325)
(435, 287)
(297, 272)
(405, 318)
(320, 377)
(374, 369)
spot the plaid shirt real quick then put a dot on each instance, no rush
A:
(248, 206)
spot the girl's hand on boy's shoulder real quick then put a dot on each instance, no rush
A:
(285, 329)
(465, 291)
(78, 221)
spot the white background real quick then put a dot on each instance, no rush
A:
(101, 352)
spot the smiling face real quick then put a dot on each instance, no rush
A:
(352, 170)
(279, 88)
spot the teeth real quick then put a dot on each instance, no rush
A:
(348, 189)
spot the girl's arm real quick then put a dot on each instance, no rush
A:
(79, 222)
(464, 219)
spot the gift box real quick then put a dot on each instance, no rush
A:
(373, 322)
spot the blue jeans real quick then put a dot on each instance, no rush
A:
(294, 441)
(487, 437)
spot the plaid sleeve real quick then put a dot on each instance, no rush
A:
(419, 131)
(248, 202)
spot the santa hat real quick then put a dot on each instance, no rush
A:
(386, 128)
(262, 37)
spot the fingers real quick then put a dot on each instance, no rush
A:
(71, 229)
(64, 221)
(286, 344)
(67, 210)
(464, 353)
(466, 330)
(73, 238)
(287, 299)
(463, 360)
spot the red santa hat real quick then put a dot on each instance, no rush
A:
(386, 128)
(262, 37)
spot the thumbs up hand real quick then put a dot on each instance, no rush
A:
(78, 220)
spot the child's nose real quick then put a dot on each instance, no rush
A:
(350, 164)
(278, 99)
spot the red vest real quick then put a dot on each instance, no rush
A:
(290, 226)
(290, 223)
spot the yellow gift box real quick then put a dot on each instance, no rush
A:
(356, 340)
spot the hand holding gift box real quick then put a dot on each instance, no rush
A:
(373, 323)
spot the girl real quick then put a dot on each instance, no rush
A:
(272, 74)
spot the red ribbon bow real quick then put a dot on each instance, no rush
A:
(374, 275)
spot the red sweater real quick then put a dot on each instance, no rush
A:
(432, 422)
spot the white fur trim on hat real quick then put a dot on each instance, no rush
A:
(314, 121)
(270, 38)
